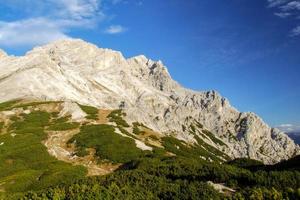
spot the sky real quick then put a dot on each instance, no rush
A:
(247, 50)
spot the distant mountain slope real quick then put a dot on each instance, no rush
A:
(81, 72)
(295, 136)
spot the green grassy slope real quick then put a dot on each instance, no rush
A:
(25, 163)
(173, 170)
(108, 144)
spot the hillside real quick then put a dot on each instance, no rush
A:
(83, 139)
(65, 150)
(295, 136)
(73, 70)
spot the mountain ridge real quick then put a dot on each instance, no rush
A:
(74, 70)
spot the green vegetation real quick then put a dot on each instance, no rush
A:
(24, 161)
(211, 149)
(153, 137)
(7, 105)
(117, 117)
(180, 148)
(198, 124)
(92, 112)
(108, 144)
(31, 123)
(27, 171)
(213, 138)
(245, 163)
(25, 105)
(178, 178)
(60, 120)
(136, 128)
(63, 126)
(124, 131)
(231, 136)
(192, 128)
(1, 126)
(291, 164)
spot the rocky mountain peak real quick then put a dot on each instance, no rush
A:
(73, 70)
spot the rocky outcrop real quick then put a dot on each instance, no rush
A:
(77, 71)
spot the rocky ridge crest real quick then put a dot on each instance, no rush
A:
(74, 70)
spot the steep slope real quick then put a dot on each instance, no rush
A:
(43, 144)
(81, 72)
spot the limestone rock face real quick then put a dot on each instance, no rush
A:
(73, 70)
(72, 109)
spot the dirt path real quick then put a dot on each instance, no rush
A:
(102, 116)
(57, 146)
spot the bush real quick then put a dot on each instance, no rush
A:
(213, 138)
(117, 117)
(245, 163)
(108, 144)
(63, 126)
(25, 161)
(92, 112)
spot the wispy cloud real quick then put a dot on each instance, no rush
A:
(286, 9)
(274, 3)
(282, 14)
(51, 20)
(288, 127)
(115, 29)
(30, 32)
(293, 5)
(77, 9)
(295, 31)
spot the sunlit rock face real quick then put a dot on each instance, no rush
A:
(77, 71)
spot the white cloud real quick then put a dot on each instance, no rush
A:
(115, 29)
(294, 5)
(29, 32)
(295, 32)
(288, 127)
(282, 14)
(50, 20)
(285, 9)
(77, 9)
(274, 3)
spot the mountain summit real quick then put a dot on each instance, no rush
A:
(73, 70)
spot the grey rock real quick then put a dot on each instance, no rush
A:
(73, 70)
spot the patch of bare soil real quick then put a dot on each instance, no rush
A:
(150, 136)
(50, 107)
(102, 116)
(57, 147)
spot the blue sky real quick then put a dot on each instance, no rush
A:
(248, 50)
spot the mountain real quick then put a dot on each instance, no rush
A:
(76, 71)
(295, 136)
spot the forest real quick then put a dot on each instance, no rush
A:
(182, 178)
